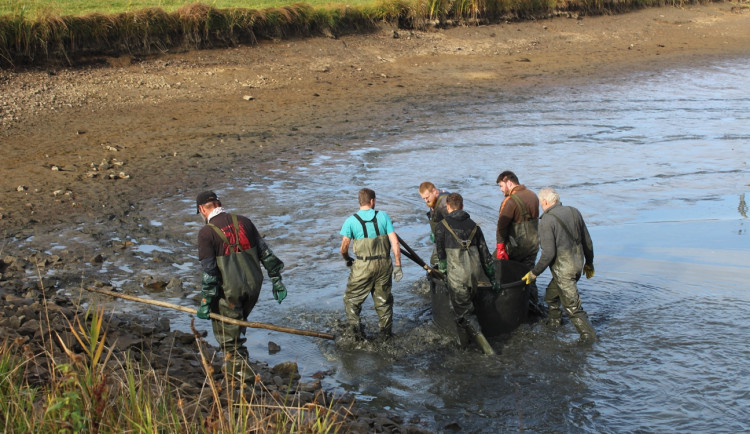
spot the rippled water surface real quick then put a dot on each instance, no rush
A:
(658, 165)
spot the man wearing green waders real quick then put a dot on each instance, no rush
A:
(372, 238)
(518, 227)
(230, 251)
(465, 260)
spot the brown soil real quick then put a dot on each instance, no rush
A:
(95, 141)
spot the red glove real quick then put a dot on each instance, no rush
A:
(501, 253)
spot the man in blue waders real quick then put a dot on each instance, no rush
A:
(464, 259)
(372, 238)
(230, 251)
(567, 250)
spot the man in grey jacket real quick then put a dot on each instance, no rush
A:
(567, 249)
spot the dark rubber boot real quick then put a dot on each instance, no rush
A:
(236, 363)
(554, 317)
(385, 334)
(357, 332)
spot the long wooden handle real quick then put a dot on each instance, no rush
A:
(411, 254)
(418, 261)
(257, 325)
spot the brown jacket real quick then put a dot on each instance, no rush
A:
(510, 213)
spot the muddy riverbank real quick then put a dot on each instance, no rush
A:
(87, 152)
(97, 141)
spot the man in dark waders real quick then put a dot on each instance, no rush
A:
(518, 228)
(566, 249)
(464, 259)
(435, 200)
(230, 251)
(372, 238)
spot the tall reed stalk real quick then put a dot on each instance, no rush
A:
(93, 389)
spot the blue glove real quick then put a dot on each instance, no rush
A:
(279, 290)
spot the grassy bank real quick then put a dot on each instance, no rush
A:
(92, 389)
(82, 7)
(32, 33)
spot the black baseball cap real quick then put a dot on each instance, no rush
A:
(203, 198)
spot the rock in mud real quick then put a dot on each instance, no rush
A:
(286, 370)
(273, 347)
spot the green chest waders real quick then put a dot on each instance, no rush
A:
(463, 275)
(370, 274)
(241, 282)
(523, 236)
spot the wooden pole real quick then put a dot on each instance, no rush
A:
(411, 254)
(257, 325)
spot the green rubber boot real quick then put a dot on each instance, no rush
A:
(484, 344)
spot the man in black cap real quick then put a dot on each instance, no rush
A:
(230, 251)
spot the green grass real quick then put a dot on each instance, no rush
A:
(37, 32)
(33, 8)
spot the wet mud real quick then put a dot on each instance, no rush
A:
(101, 166)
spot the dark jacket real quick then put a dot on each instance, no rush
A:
(211, 246)
(565, 241)
(462, 225)
(466, 256)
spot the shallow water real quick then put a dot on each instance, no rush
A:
(658, 165)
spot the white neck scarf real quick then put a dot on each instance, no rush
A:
(218, 210)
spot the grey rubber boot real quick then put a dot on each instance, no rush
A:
(585, 329)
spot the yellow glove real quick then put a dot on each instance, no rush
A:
(588, 270)
(529, 277)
